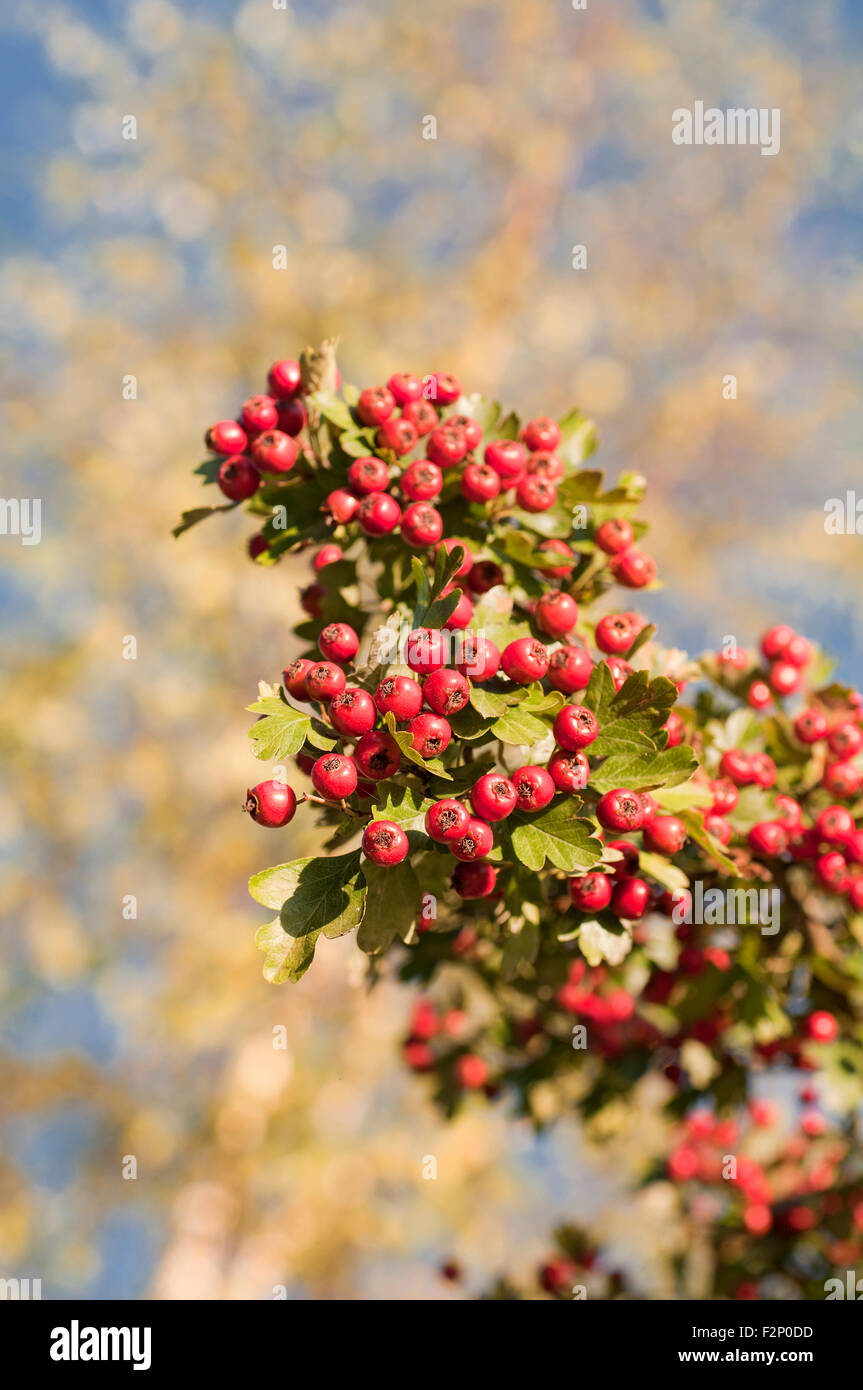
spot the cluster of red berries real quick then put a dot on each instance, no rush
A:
(261, 442)
(787, 655)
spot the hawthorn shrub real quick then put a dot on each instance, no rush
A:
(601, 887)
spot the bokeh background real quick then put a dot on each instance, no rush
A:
(152, 257)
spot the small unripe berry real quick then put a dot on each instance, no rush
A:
(271, 803)
(375, 405)
(569, 669)
(614, 536)
(259, 413)
(430, 734)
(398, 435)
(479, 483)
(634, 569)
(334, 776)
(324, 681)
(378, 514)
(422, 481)
(446, 691)
(422, 525)
(338, 642)
(524, 660)
(665, 835)
(493, 797)
(226, 437)
(534, 787)
(285, 379)
(399, 695)
(630, 898)
(575, 727)
(294, 678)
(352, 712)
(447, 820)
(366, 475)
(474, 879)
(508, 458)
(274, 452)
(238, 478)
(620, 809)
(385, 843)
(570, 772)
(556, 613)
(591, 892)
(377, 755)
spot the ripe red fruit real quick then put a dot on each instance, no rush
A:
(575, 727)
(846, 739)
(784, 678)
(259, 413)
(493, 797)
(446, 691)
(485, 575)
(226, 437)
(377, 755)
(399, 695)
(541, 433)
(258, 545)
(398, 435)
(385, 843)
(620, 671)
(811, 725)
(475, 842)
(271, 803)
(855, 894)
(569, 669)
(338, 642)
(378, 514)
(821, 1026)
(534, 787)
(630, 898)
(546, 465)
(737, 767)
(470, 1071)
(447, 388)
(480, 657)
(334, 776)
(556, 613)
(311, 599)
(524, 660)
(430, 734)
(369, 474)
(471, 428)
(534, 493)
(665, 835)
(292, 416)
(508, 458)
(763, 769)
(324, 681)
(634, 569)
(725, 795)
(628, 865)
(614, 634)
(422, 525)
(474, 880)
(614, 536)
(375, 405)
(352, 712)
(734, 660)
(558, 547)
(446, 446)
(718, 827)
(342, 505)
(834, 823)
(294, 678)
(285, 379)
(274, 452)
(405, 387)
(447, 820)
(422, 481)
(620, 810)
(427, 650)
(462, 614)
(788, 812)
(238, 478)
(675, 729)
(759, 695)
(831, 870)
(768, 838)
(418, 1056)
(591, 892)
(479, 483)
(421, 415)
(557, 1274)
(327, 555)
(775, 640)
(570, 772)
(798, 651)
(842, 778)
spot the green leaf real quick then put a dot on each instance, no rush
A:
(521, 945)
(627, 719)
(281, 733)
(402, 804)
(393, 905)
(558, 835)
(284, 957)
(640, 769)
(660, 868)
(711, 846)
(597, 943)
(517, 726)
(577, 437)
(494, 703)
(318, 738)
(323, 895)
(469, 724)
(684, 796)
(191, 518)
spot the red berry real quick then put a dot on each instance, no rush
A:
(759, 695)
(274, 452)
(367, 475)
(294, 678)
(546, 465)
(446, 446)
(446, 691)
(628, 865)
(493, 797)
(418, 1056)
(534, 787)
(768, 838)
(377, 755)
(421, 481)
(475, 842)
(718, 827)
(334, 776)
(569, 771)
(811, 725)
(620, 671)
(285, 379)
(558, 547)
(470, 1071)
(630, 898)
(471, 428)
(614, 634)
(447, 820)
(591, 892)
(788, 812)
(378, 514)
(634, 569)
(352, 712)
(575, 727)
(834, 823)
(821, 1026)
(569, 669)
(556, 613)
(775, 640)
(798, 651)
(446, 388)
(238, 478)
(508, 458)
(311, 599)
(842, 778)
(736, 766)
(557, 1274)
(327, 555)
(398, 435)
(734, 660)
(831, 870)
(479, 483)
(421, 415)
(384, 842)
(422, 525)
(852, 847)
(541, 433)
(258, 545)
(620, 810)
(485, 575)
(462, 614)
(375, 405)
(325, 681)
(763, 769)
(675, 730)
(342, 505)
(784, 678)
(291, 416)
(338, 642)
(614, 536)
(405, 387)
(427, 650)
(725, 795)
(524, 660)
(855, 894)
(665, 835)
(399, 695)
(226, 437)
(271, 803)
(534, 493)
(846, 739)
(480, 657)
(259, 413)
(474, 880)
(430, 734)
